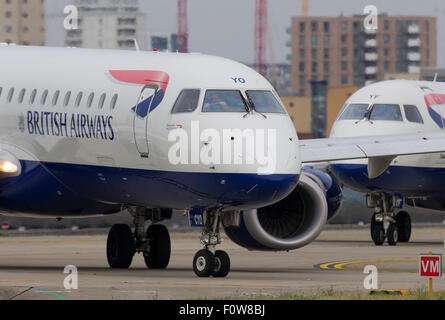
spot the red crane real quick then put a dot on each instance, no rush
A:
(183, 35)
(260, 35)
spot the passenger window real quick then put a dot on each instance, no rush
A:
(79, 99)
(67, 98)
(113, 102)
(355, 111)
(56, 97)
(187, 101)
(1, 89)
(44, 96)
(264, 102)
(10, 95)
(102, 101)
(32, 97)
(389, 112)
(224, 101)
(21, 95)
(412, 114)
(90, 100)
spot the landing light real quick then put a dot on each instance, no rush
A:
(8, 167)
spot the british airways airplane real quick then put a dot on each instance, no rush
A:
(96, 132)
(389, 108)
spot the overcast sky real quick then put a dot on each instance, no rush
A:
(226, 27)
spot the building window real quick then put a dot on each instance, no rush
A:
(314, 53)
(344, 79)
(386, 24)
(344, 52)
(314, 67)
(344, 25)
(302, 66)
(302, 53)
(326, 67)
(326, 41)
(314, 26)
(326, 26)
(302, 40)
(326, 53)
(386, 38)
(302, 26)
(386, 65)
(344, 38)
(302, 81)
(386, 52)
(344, 65)
(314, 40)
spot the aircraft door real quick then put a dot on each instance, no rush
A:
(141, 116)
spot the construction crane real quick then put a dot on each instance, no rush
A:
(260, 35)
(183, 35)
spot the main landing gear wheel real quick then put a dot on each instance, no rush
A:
(377, 231)
(160, 247)
(222, 264)
(204, 263)
(120, 246)
(392, 234)
(403, 222)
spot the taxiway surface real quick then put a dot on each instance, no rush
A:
(31, 267)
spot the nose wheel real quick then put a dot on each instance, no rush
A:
(206, 264)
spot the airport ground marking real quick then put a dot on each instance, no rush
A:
(60, 297)
(339, 265)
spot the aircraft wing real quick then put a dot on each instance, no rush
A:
(379, 150)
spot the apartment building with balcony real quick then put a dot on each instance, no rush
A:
(342, 52)
(108, 24)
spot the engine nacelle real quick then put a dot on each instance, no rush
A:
(292, 222)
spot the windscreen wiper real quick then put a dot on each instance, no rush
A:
(253, 107)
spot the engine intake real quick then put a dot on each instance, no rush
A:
(286, 225)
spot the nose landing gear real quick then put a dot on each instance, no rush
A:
(208, 261)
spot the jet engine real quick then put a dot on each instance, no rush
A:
(292, 222)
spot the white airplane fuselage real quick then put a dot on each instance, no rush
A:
(414, 176)
(90, 139)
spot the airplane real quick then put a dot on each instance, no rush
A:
(87, 132)
(394, 107)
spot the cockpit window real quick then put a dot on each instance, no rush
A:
(187, 101)
(389, 112)
(224, 101)
(264, 101)
(412, 114)
(355, 111)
